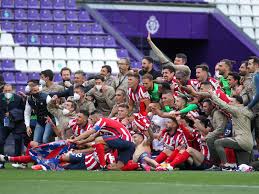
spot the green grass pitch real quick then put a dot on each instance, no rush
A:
(26, 181)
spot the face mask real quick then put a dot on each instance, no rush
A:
(8, 95)
(98, 87)
(76, 96)
(42, 82)
(40, 88)
(65, 111)
(27, 89)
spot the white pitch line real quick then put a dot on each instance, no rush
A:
(145, 183)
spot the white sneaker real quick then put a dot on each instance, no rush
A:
(2, 166)
(170, 168)
(2, 158)
(21, 166)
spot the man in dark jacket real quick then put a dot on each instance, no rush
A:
(37, 103)
(11, 119)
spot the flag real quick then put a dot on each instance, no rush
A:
(48, 154)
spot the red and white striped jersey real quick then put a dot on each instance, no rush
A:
(173, 141)
(113, 127)
(222, 95)
(128, 126)
(141, 122)
(137, 96)
(203, 145)
(92, 161)
(140, 93)
(196, 140)
(76, 129)
(200, 144)
(196, 84)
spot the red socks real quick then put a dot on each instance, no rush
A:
(161, 157)
(180, 158)
(130, 166)
(231, 157)
(172, 156)
(21, 159)
(100, 153)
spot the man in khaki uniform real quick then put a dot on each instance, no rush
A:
(121, 80)
(218, 121)
(241, 139)
(104, 95)
(46, 80)
(82, 103)
(63, 116)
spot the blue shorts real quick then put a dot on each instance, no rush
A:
(125, 148)
(142, 156)
(77, 162)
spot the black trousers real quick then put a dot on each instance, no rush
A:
(18, 131)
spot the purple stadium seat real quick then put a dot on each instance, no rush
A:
(33, 39)
(59, 28)
(7, 14)
(20, 39)
(33, 76)
(71, 15)
(33, 27)
(59, 40)
(20, 88)
(9, 77)
(72, 41)
(109, 41)
(97, 41)
(46, 40)
(21, 78)
(34, 4)
(97, 29)
(46, 4)
(7, 3)
(59, 4)
(122, 53)
(57, 77)
(58, 15)
(20, 4)
(83, 16)
(46, 15)
(8, 65)
(7, 26)
(33, 14)
(85, 28)
(71, 4)
(85, 41)
(47, 28)
(20, 27)
(72, 28)
(20, 14)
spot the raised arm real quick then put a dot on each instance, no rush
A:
(164, 60)
(223, 105)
